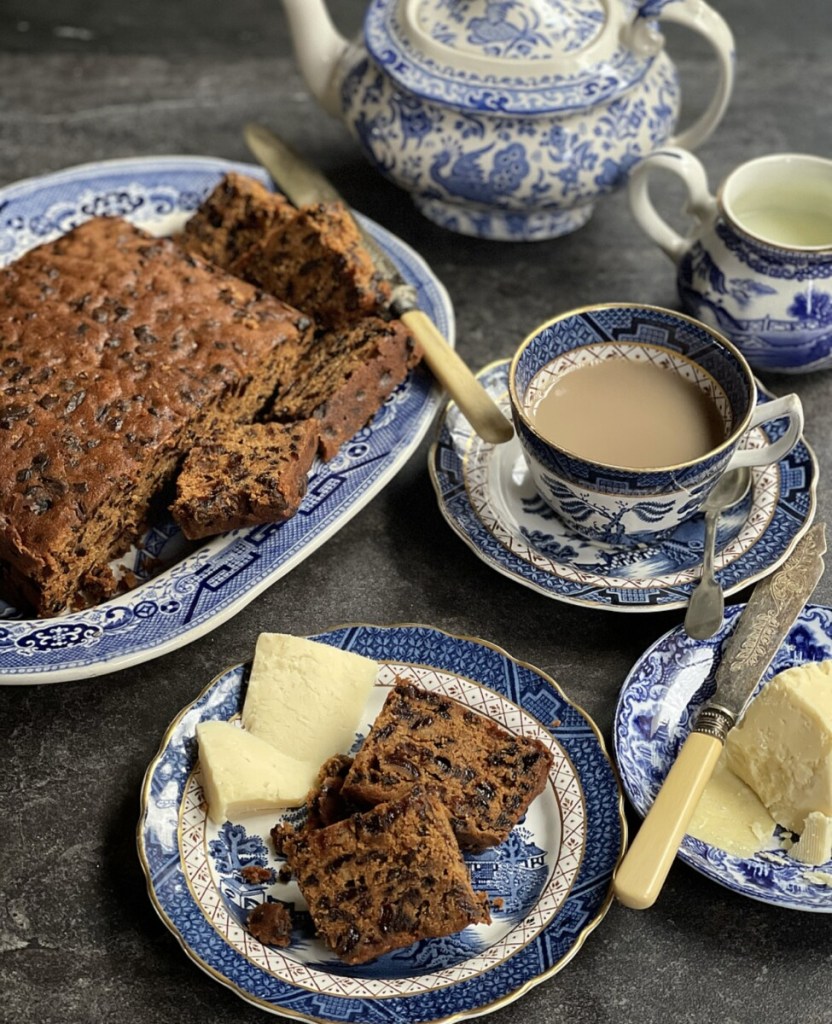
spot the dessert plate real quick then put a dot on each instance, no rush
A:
(656, 708)
(198, 587)
(551, 879)
(486, 494)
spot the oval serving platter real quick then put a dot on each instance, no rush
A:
(551, 879)
(656, 709)
(201, 586)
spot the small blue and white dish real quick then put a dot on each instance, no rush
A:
(609, 502)
(184, 591)
(551, 879)
(656, 709)
(487, 495)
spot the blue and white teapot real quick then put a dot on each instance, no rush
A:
(507, 119)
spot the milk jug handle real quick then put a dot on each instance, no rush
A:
(701, 204)
(788, 406)
(704, 20)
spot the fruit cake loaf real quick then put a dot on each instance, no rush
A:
(244, 475)
(236, 215)
(317, 261)
(312, 257)
(118, 351)
(342, 379)
(385, 878)
(324, 803)
(485, 775)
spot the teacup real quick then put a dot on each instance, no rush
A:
(757, 261)
(696, 421)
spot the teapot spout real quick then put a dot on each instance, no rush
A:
(318, 48)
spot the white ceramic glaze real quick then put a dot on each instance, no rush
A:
(743, 266)
(619, 505)
(507, 120)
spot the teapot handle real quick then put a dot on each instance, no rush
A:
(699, 17)
(701, 205)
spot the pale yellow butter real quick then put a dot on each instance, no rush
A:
(306, 698)
(243, 774)
(782, 748)
(815, 843)
(730, 816)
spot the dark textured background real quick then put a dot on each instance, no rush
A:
(79, 940)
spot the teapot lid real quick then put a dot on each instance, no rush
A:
(509, 56)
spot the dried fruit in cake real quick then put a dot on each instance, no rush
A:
(244, 475)
(485, 775)
(317, 261)
(380, 880)
(118, 352)
(343, 377)
(236, 215)
(313, 257)
(325, 802)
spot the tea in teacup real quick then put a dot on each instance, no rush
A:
(629, 412)
(640, 377)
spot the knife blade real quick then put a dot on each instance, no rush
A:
(765, 622)
(304, 185)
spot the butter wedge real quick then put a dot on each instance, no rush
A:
(815, 843)
(244, 775)
(782, 748)
(305, 698)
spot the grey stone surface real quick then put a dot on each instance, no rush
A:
(79, 939)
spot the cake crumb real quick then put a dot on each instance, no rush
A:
(271, 924)
(254, 873)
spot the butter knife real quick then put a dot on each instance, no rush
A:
(771, 611)
(303, 184)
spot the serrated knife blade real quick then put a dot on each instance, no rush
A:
(303, 184)
(771, 612)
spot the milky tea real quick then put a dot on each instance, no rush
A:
(631, 414)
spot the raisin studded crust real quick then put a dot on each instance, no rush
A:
(312, 257)
(118, 352)
(244, 475)
(343, 378)
(484, 775)
(385, 878)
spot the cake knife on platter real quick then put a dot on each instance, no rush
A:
(303, 185)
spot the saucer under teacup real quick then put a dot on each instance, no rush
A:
(486, 494)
